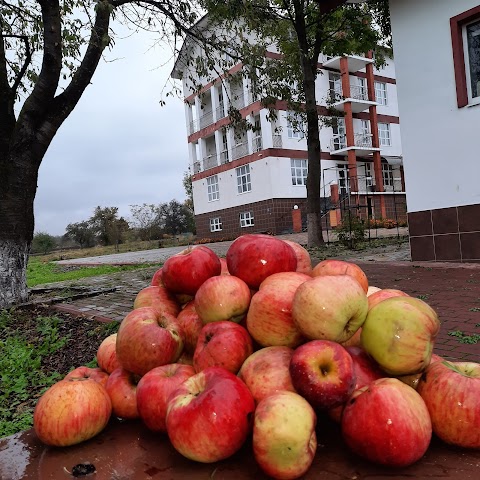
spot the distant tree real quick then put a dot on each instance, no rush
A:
(43, 242)
(108, 227)
(146, 220)
(176, 217)
(187, 184)
(81, 233)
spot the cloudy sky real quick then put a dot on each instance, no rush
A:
(119, 147)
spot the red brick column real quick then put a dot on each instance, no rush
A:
(297, 220)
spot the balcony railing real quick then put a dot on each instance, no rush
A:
(339, 142)
(238, 100)
(224, 157)
(206, 119)
(277, 140)
(210, 161)
(220, 112)
(357, 92)
(192, 127)
(240, 150)
(197, 167)
(257, 144)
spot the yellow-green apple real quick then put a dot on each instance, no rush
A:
(371, 290)
(191, 325)
(71, 411)
(304, 262)
(329, 307)
(122, 390)
(266, 372)
(210, 415)
(184, 272)
(451, 391)
(222, 344)
(147, 339)
(387, 422)
(159, 298)
(157, 278)
(154, 390)
(269, 318)
(284, 438)
(353, 341)
(366, 371)
(96, 374)
(322, 372)
(224, 297)
(253, 257)
(340, 267)
(107, 354)
(399, 334)
(381, 295)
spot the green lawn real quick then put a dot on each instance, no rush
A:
(39, 272)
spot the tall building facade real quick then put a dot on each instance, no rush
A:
(251, 181)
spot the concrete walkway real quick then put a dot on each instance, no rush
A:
(159, 255)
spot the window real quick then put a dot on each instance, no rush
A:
(384, 134)
(387, 174)
(243, 179)
(368, 175)
(366, 127)
(212, 188)
(295, 125)
(299, 171)
(465, 30)
(246, 219)
(335, 84)
(381, 93)
(215, 224)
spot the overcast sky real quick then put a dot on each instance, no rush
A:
(119, 147)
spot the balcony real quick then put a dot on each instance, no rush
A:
(355, 63)
(277, 140)
(210, 161)
(363, 145)
(257, 144)
(358, 99)
(238, 100)
(240, 150)
(206, 119)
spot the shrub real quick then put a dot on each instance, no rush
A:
(351, 231)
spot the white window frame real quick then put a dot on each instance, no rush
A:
(471, 99)
(299, 171)
(247, 219)
(292, 132)
(381, 93)
(368, 174)
(387, 175)
(244, 183)
(215, 224)
(384, 134)
(213, 190)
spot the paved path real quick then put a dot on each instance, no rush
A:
(159, 255)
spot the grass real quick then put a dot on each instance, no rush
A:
(37, 351)
(39, 271)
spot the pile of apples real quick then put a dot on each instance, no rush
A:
(259, 344)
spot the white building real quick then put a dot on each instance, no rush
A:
(249, 182)
(437, 58)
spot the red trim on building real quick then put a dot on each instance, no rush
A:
(456, 26)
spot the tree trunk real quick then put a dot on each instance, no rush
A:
(13, 265)
(314, 223)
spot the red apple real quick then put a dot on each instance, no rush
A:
(451, 391)
(266, 372)
(191, 325)
(147, 339)
(340, 267)
(122, 390)
(304, 262)
(224, 297)
(269, 318)
(157, 278)
(253, 257)
(323, 373)
(329, 307)
(71, 411)
(366, 371)
(399, 334)
(209, 416)
(158, 298)
(381, 295)
(184, 272)
(388, 423)
(186, 358)
(96, 374)
(436, 358)
(154, 390)
(107, 354)
(224, 270)
(222, 344)
(284, 438)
